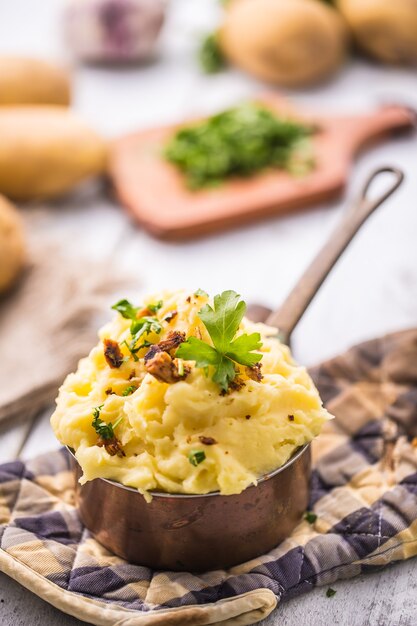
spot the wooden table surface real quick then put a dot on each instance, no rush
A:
(372, 290)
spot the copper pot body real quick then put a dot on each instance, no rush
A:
(196, 532)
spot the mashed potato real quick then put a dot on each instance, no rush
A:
(186, 436)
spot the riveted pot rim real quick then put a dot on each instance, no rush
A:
(163, 494)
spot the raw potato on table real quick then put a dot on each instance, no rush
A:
(387, 30)
(24, 80)
(12, 244)
(287, 42)
(44, 151)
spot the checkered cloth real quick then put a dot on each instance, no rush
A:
(364, 493)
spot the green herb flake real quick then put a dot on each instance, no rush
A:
(154, 308)
(103, 429)
(196, 457)
(126, 309)
(222, 323)
(201, 292)
(129, 390)
(210, 55)
(239, 142)
(330, 592)
(310, 517)
(140, 326)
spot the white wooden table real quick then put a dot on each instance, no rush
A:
(372, 290)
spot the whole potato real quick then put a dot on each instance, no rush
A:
(24, 80)
(44, 151)
(12, 244)
(288, 42)
(384, 29)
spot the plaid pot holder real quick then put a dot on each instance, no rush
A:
(364, 494)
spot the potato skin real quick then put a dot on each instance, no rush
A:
(12, 244)
(287, 42)
(384, 29)
(24, 80)
(44, 151)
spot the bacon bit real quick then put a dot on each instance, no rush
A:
(132, 375)
(254, 372)
(164, 368)
(188, 299)
(112, 446)
(173, 340)
(108, 391)
(248, 417)
(170, 316)
(208, 441)
(235, 385)
(291, 418)
(112, 353)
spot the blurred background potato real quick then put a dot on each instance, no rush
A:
(45, 151)
(26, 80)
(12, 244)
(287, 42)
(384, 29)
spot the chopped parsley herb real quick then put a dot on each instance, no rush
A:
(239, 142)
(129, 312)
(330, 592)
(103, 429)
(210, 55)
(222, 323)
(201, 292)
(96, 411)
(154, 308)
(310, 517)
(196, 457)
(126, 309)
(129, 390)
(140, 325)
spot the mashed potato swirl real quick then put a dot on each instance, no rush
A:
(255, 429)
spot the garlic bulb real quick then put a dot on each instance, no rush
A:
(113, 30)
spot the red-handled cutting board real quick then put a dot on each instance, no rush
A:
(154, 191)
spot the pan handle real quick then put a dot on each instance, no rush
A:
(294, 306)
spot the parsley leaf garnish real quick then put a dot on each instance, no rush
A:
(103, 429)
(140, 325)
(310, 517)
(154, 308)
(222, 322)
(239, 142)
(129, 390)
(331, 592)
(196, 457)
(126, 309)
(200, 292)
(210, 56)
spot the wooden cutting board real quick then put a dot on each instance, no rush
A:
(155, 194)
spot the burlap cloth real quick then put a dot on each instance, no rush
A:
(364, 493)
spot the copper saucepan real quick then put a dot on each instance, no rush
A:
(203, 532)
